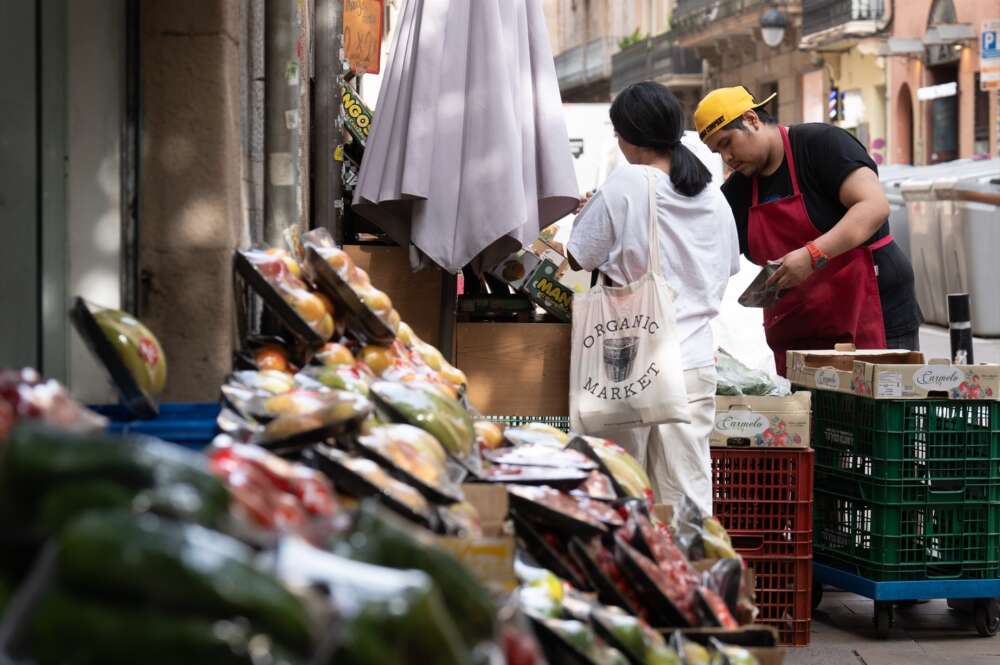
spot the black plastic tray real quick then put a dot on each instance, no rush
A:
(569, 480)
(580, 445)
(662, 611)
(272, 298)
(347, 481)
(134, 399)
(496, 456)
(554, 519)
(604, 632)
(543, 553)
(557, 650)
(435, 494)
(360, 321)
(606, 589)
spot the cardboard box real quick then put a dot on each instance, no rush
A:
(833, 369)
(939, 378)
(515, 369)
(491, 557)
(516, 268)
(545, 289)
(882, 374)
(551, 251)
(749, 421)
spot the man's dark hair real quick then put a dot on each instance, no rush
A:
(648, 115)
(765, 117)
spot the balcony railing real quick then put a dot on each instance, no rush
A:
(821, 15)
(694, 15)
(585, 64)
(655, 59)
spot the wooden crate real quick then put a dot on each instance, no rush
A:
(417, 296)
(516, 369)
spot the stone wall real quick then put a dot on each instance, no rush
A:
(191, 216)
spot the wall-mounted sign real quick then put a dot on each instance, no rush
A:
(363, 35)
(937, 91)
(989, 56)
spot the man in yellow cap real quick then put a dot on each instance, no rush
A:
(808, 197)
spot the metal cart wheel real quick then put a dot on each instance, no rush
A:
(987, 613)
(817, 594)
(883, 618)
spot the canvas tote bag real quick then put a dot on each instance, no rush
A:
(625, 367)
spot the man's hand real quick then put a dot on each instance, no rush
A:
(583, 202)
(795, 268)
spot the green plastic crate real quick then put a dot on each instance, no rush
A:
(930, 442)
(904, 542)
(910, 492)
(559, 422)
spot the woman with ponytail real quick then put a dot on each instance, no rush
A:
(699, 251)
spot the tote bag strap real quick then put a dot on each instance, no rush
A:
(654, 232)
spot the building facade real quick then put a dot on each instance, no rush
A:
(727, 35)
(587, 34)
(937, 108)
(902, 76)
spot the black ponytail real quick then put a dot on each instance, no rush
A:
(648, 115)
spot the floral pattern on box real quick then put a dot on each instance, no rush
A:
(971, 388)
(777, 435)
(859, 383)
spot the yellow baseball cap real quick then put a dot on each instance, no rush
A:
(721, 106)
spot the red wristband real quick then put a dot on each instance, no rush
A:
(819, 259)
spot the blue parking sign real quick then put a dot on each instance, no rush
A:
(990, 47)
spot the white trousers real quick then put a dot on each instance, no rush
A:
(676, 456)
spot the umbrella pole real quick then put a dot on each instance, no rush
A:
(446, 343)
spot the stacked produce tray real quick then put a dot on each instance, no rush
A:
(763, 497)
(907, 490)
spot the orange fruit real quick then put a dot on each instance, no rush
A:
(376, 300)
(404, 333)
(335, 354)
(453, 375)
(327, 304)
(378, 358)
(325, 327)
(431, 356)
(359, 279)
(392, 320)
(489, 433)
(289, 261)
(271, 357)
(339, 260)
(308, 306)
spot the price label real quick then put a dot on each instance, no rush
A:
(363, 35)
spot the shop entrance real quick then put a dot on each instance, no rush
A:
(942, 116)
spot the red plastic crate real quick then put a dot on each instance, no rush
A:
(787, 543)
(763, 490)
(783, 590)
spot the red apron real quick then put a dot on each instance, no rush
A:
(837, 304)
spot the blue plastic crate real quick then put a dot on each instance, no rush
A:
(190, 424)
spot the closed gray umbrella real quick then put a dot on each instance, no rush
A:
(468, 156)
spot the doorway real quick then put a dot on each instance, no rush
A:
(904, 126)
(942, 116)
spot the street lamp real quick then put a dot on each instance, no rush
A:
(772, 27)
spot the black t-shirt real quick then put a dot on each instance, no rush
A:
(824, 156)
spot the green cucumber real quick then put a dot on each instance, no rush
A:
(39, 459)
(384, 540)
(181, 567)
(67, 628)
